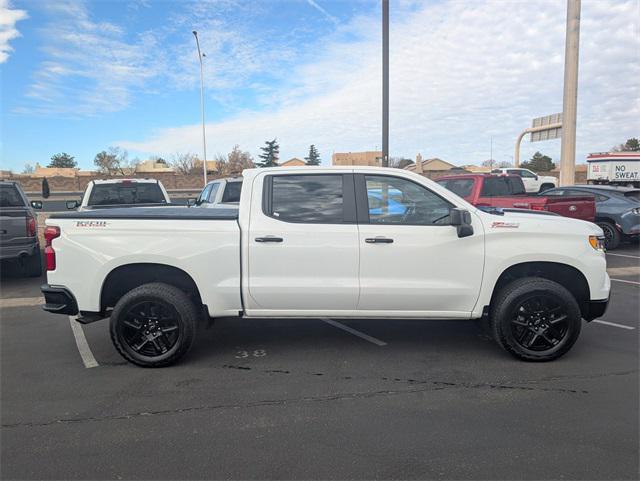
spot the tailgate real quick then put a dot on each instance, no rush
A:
(578, 207)
(13, 225)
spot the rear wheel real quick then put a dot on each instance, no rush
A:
(154, 325)
(611, 235)
(536, 319)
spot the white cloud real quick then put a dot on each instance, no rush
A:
(90, 67)
(8, 19)
(322, 10)
(461, 72)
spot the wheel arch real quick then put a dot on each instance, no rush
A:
(126, 277)
(566, 275)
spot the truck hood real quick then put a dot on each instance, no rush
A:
(532, 221)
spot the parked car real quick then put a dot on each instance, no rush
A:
(105, 194)
(507, 191)
(310, 244)
(532, 181)
(19, 229)
(617, 209)
(220, 193)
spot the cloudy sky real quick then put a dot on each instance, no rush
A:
(80, 76)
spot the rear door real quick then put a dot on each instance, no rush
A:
(303, 245)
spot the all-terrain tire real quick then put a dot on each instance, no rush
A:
(184, 314)
(507, 326)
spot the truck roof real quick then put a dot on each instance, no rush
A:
(125, 179)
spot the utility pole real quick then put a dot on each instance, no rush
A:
(204, 136)
(570, 95)
(491, 154)
(385, 83)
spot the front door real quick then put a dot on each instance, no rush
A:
(303, 245)
(412, 262)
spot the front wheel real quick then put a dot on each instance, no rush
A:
(545, 187)
(535, 319)
(154, 325)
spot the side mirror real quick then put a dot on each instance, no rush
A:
(72, 204)
(461, 219)
(36, 204)
(536, 177)
(191, 202)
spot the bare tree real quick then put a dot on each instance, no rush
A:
(112, 162)
(186, 163)
(238, 160)
(28, 169)
(399, 162)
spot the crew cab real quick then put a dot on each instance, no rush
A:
(307, 242)
(109, 193)
(489, 191)
(532, 182)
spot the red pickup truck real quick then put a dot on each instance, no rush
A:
(507, 191)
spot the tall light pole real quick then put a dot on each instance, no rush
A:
(204, 136)
(385, 83)
(570, 95)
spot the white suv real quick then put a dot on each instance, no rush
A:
(532, 181)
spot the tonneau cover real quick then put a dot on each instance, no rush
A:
(173, 213)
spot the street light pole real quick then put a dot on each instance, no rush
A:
(570, 95)
(385, 83)
(204, 136)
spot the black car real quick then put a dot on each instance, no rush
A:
(617, 210)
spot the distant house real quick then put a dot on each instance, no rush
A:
(294, 162)
(477, 169)
(152, 166)
(429, 165)
(55, 172)
(369, 158)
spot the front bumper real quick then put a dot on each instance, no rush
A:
(59, 300)
(594, 309)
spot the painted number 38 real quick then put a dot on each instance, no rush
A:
(256, 353)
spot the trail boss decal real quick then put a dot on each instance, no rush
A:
(505, 225)
(91, 223)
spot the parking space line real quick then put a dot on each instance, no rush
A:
(21, 301)
(83, 345)
(607, 323)
(623, 255)
(626, 282)
(350, 330)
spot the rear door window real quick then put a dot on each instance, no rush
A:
(461, 187)
(232, 192)
(311, 199)
(126, 193)
(10, 197)
(495, 186)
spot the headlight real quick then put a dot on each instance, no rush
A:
(635, 210)
(597, 242)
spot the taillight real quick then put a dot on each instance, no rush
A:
(539, 207)
(31, 226)
(50, 232)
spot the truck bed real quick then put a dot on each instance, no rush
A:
(173, 213)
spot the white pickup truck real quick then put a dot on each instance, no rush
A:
(110, 193)
(313, 242)
(532, 182)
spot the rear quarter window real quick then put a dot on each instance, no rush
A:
(232, 192)
(126, 194)
(495, 186)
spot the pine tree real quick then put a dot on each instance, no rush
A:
(314, 156)
(62, 160)
(270, 154)
(539, 163)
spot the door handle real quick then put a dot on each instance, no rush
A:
(269, 239)
(378, 240)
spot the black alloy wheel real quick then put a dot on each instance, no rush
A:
(150, 328)
(539, 323)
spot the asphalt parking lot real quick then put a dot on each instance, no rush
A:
(292, 399)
